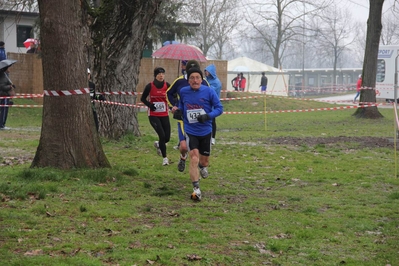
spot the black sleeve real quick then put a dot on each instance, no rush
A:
(92, 88)
(145, 95)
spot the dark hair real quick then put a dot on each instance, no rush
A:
(192, 63)
(194, 70)
(2, 43)
(158, 70)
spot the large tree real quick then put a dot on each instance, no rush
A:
(68, 137)
(374, 28)
(118, 33)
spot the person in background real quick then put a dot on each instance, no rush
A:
(154, 97)
(358, 87)
(3, 55)
(243, 82)
(94, 96)
(198, 105)
(263, 83)
(184, 72)
(235, 82)
(32, 48)
(183, 67)
(6, 88)
(216, 85)
(173, 95)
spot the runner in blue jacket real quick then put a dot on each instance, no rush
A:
(198, 105)
(173, 96)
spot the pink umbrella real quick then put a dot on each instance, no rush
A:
(28, 42)
(180, 51)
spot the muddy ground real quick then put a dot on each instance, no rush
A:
(370, 142)
(11, 155)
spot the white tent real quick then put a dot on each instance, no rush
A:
(277, 80)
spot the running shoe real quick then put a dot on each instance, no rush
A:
(196, 195)
(156, 145)
(213, 141)
(181, 165)
(204, 172)
(165, 161)
(177, 146)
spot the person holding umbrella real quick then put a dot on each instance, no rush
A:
(3, 55)
(6, 89)
(32, 48)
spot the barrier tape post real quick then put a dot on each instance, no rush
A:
(395, 127)
(264, 97)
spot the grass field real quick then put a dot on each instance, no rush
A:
(312, 188)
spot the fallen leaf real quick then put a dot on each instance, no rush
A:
(35, 252)
(153, 261)
(193, 257)
(75, 252)
(173, 213)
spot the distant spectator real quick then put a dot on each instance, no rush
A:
(94, 96)
(358, 87)
(7, 88)
(32, 48)
(243, 82)
(235, 82)
(263, 83)
(3, 55)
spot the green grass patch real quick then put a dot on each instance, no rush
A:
(314, 188)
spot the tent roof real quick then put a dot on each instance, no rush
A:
(245, 64)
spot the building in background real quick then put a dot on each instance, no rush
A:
(16, 27)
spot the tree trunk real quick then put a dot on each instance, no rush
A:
(118, 32)
(374, 28)
(68, 137)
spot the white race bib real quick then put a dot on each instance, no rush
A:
(193, 114)
(161, 107)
